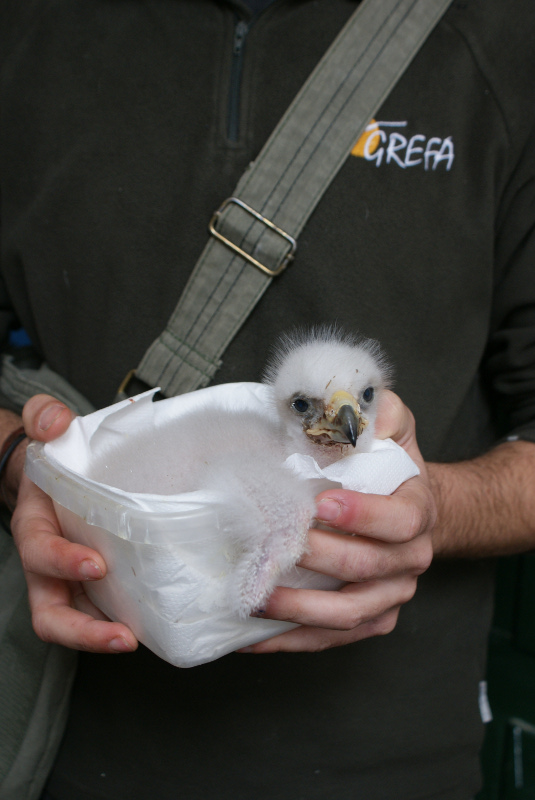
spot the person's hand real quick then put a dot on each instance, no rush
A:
(389, 547)
(56, 569)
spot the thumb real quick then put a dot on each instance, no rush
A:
(396, 421)
(46, 418)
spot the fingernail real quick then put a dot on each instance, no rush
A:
(120, 645)
(49, 416)
(90, 570)
(328, 511)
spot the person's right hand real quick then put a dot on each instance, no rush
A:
(56, 569)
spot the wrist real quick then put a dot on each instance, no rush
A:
(12, 456)
(486, 506)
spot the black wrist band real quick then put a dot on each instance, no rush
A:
(9, 445)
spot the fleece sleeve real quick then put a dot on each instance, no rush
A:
(510, 358)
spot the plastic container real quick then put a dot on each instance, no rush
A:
(165, 556)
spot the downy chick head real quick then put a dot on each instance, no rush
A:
(326, 386)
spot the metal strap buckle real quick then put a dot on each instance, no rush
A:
(132, 385)
(291, 241)
(122, 390)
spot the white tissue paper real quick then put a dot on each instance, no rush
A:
(163, 552)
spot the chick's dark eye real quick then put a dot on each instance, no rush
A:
(300, 405)
(367, 394)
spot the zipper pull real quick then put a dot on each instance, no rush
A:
(240, 32)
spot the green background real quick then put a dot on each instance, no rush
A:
(508, 755)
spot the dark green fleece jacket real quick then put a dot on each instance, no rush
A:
(124, 125)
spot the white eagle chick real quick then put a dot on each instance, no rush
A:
(324, 388)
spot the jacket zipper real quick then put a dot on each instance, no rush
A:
(241, 30)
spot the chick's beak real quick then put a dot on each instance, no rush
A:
(343, 414)
(342, 421)
(349, 423)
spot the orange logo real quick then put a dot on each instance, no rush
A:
(364, 145)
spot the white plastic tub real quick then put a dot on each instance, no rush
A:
(164, 554)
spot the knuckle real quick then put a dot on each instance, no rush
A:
(414, 523)
(85, 641)
(357, 515)
(359, 616)
(350, 622)
(40, 627)
(343, 561)
(294, 617)
(368, 512)
(424, 556)
(386, 623)
(418, 512)
(28, 553)
(23, 553)
(357, 565)
(411, 422)
(350, 619)
(285, 607)
(323, 643)
(366, 566)
(50, 555)
(58, 556)
(15, 521)
(409, 590)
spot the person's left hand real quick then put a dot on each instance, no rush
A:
(389, 547)
(55, 568)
